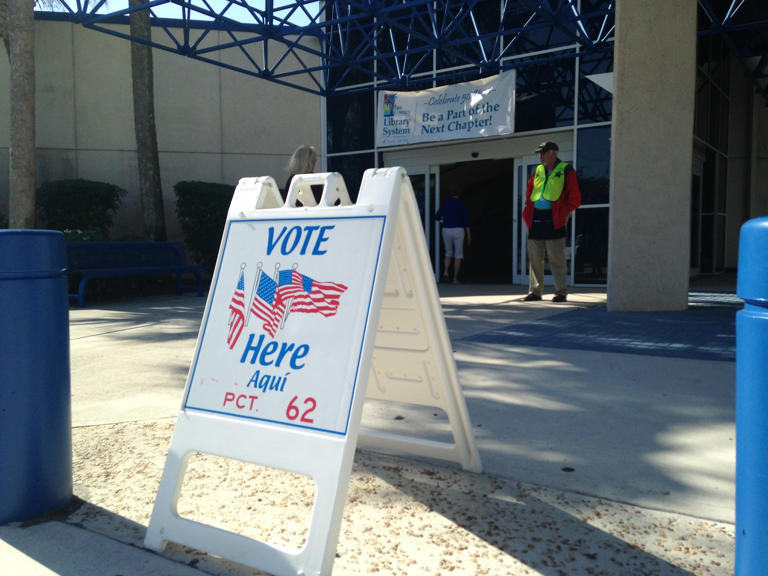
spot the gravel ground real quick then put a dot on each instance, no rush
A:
(402, 516)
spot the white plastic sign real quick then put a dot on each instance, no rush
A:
(282, 337)
(308, 302)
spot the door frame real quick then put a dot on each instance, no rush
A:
(430, 174)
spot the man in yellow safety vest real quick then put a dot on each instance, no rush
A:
(552, 194)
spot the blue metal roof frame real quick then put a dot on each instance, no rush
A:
(332, 47)
(363, 45)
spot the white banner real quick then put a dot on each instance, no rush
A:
(471, 110)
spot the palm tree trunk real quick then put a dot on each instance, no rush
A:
(4, 26)
(150, 189)
(21, 42)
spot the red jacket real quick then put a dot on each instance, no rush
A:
(569, 200)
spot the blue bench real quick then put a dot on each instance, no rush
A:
(91, 260)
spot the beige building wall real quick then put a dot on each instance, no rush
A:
(651, 155)
(213, 124)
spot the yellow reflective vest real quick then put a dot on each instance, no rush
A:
(550, 188)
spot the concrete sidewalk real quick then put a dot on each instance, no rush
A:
(596, 461)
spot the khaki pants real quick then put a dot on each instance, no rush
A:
(555, 251)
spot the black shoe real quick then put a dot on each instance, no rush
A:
(532, 298)
(560, 298)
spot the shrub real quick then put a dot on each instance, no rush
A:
(81, 209)
(202, 210)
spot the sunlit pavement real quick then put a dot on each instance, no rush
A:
(595, 461)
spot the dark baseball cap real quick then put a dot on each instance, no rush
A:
(544, 146)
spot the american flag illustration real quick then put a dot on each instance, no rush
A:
(263, 303)
(309, 296)
(237, 311)
(273, 299)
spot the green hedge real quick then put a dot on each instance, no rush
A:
(202, 210)
(81, 209)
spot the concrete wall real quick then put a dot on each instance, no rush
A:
(651, 155)
(213, 124)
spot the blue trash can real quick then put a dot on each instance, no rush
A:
(752, 401)
(35, 407)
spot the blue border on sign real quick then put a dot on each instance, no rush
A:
(215, 285)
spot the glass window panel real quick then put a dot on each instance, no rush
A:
(487, 16)
(708, 183)
(594, 164)
(516, 15)
(350, 39)
(350, 120)
(544, 95)
(706, 63)
(719, 69)
(588, 6)
(591, 265)
(595, 103)
(724, 115)
(703, 43)
(408, 54)
(707, 238)
(468, 47)
(722, 184)
(531, 31)
(351, 168)
(716, 102)
(287, 9)
(701, 114)
(597, 23)
(719, 256)
(712, 85)
(695, 219)
(418, 183)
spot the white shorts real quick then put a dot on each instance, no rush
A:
(453, 239)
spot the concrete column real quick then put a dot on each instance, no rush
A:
(651, 155)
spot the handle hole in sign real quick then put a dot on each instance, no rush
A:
(258, 502)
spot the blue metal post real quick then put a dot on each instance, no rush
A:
(35, 417)
(752, 401)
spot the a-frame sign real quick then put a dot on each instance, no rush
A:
(307, 304)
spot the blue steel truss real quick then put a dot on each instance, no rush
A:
(331, 46)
